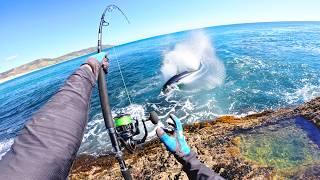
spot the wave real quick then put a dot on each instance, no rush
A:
(303, 94)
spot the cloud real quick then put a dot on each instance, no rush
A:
(11, 57)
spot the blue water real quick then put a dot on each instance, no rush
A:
(267, 66)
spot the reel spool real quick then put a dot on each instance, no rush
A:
(127, 128)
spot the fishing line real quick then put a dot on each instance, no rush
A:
(103, 22)
(121, 74)
(122, 129)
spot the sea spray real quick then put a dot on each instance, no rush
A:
(195, 52)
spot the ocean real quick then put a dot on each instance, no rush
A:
(247, 68)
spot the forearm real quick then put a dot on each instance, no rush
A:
(48, 144)
(178, 146)
(197, 170)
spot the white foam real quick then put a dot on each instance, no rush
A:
(305, 93)
(5, 146)
(135, 110)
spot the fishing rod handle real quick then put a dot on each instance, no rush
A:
(126, 174)
(107, 116)
(104, 100)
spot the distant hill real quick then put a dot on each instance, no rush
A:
(44, 62)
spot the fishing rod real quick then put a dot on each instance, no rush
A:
(123, 128)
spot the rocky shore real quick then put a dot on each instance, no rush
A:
(218, 144)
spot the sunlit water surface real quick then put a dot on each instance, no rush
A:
(267, 66)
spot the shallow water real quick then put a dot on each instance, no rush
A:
(267, 65)
(288, 146)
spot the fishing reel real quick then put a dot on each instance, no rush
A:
(127, 128)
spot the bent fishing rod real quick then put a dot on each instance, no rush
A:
(123, 128)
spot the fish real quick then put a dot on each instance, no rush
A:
(174, 80)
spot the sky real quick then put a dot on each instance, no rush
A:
(46, 29)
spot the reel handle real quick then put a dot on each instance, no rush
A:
(153, 118)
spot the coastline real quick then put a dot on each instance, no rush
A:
(47, 61)
(22, 74)
(35, 70)
(218, 144)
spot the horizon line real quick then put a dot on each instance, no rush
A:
(175, 32)
(211, 26)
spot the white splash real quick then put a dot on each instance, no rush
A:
(305, 93)
(135, 110)
(5, 146)
(187, 56)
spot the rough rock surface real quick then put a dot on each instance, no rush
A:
(216, 142)
(310, 110)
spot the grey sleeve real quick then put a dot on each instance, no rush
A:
(196, 170)
(47, 145)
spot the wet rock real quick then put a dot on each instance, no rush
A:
(309, 173)
(310, 110)
(217, 143)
